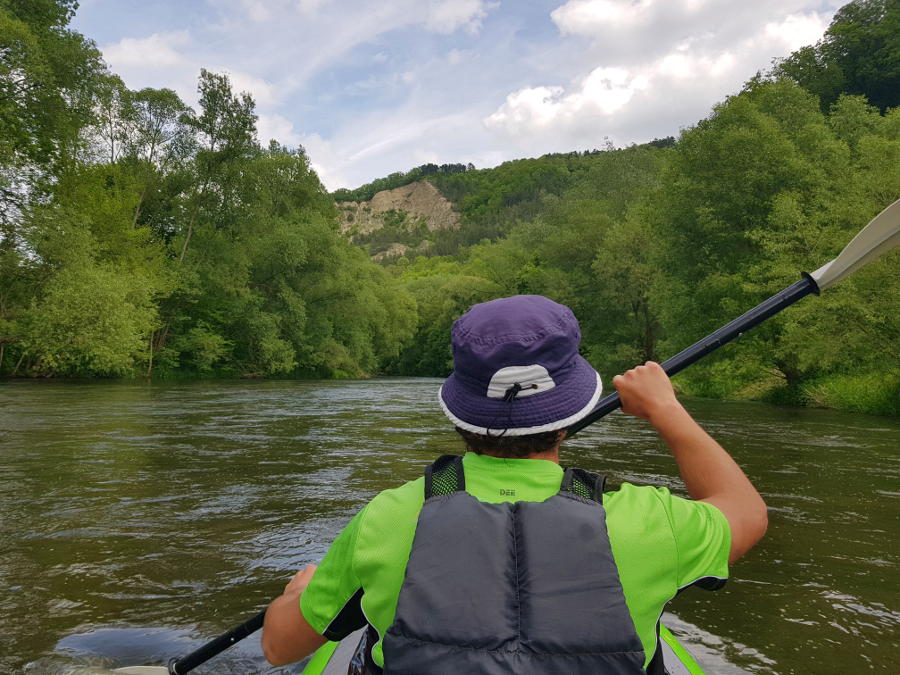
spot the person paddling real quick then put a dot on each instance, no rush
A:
(502, 561)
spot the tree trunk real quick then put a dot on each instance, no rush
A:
(161, 336)
(150, 364)
(187, 239)
(791, 374)
(137, 208)
(190, 231)
(648, 334)
(16, 369)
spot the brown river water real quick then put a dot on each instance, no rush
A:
(138, 521)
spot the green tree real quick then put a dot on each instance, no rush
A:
(440, 299)
(46, 75)
(859, 54)
(226, 135)
(763, 189)
(158, 143)
(626, 329)
(91, 317)
(46, 72)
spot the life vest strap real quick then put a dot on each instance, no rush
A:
(446, 476)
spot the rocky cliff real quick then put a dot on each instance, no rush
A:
(420, 201)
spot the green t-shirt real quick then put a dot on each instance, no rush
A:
(661, 544)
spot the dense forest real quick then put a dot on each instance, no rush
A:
(141, 237)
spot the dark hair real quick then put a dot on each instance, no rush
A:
(511, 447)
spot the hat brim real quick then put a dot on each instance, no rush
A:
(569, 401)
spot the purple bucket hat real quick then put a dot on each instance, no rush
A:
(517, 369)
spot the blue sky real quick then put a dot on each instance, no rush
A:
(369, 87)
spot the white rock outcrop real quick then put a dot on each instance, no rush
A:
(420, 200)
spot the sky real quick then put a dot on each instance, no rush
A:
(370, 87)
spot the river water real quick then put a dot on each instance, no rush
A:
(138, 521)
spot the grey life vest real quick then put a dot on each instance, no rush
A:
(526, 587)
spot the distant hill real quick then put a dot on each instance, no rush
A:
(434, 211)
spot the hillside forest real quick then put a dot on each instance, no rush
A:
(140, 237)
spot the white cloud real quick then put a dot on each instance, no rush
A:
(257, 10)
(279, 127)
(376, 145)
(447, 16)
(427, 157)
(604, 92)
(587, 17)
(528, 109)
(609, 89)
(324, 161)
(652, 67)
(631, 31)
(684, 65)
(161, 60)
(264, 93)
(798, 30)
(310, 6)
(301, 39)
(157, 50)
(170, 60)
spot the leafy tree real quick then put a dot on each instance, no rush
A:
(440, 299)
(91, 318)
(226, 136)
(761, 190)
(44, 70)
(626, 328)
(859, 54)
(158, 142)
(112, 111)
(44, 103)
(275, 289)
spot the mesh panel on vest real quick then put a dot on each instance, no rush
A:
(445, 481)
(582, 489)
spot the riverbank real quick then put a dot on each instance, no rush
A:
(868, 393)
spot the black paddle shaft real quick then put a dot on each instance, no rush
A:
(712, 342)
(213, 647)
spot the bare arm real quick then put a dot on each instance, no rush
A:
(709, 473)
(287, 637)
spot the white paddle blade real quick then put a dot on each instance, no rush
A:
(143, 670)
(878, 237)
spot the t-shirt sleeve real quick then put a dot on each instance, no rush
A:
(331, 601)
(702, 541)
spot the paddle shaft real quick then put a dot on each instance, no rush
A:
(712, 342)
(213, 647)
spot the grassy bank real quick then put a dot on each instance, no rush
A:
(867, 393)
